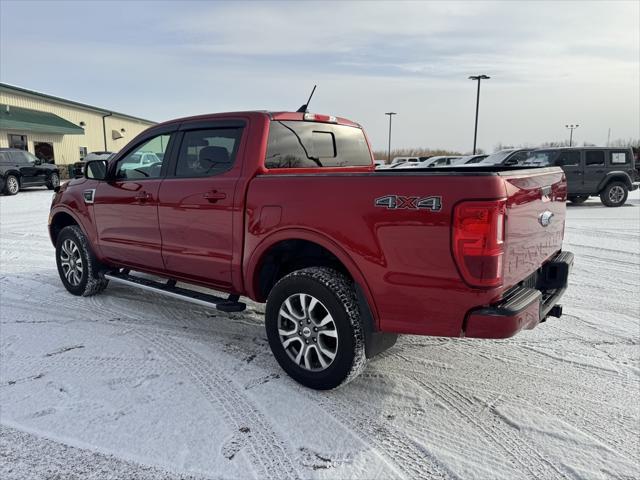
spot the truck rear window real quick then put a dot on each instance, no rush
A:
(299, 144)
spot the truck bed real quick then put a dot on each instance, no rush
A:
(405, 254)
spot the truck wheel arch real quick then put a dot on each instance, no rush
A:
(323, 249)
(615, 176)
(60, 220)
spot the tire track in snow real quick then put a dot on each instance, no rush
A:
(268, 453)
(502, 435)
(401, 452)
(391, 444)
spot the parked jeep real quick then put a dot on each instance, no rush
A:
(607, 172)
(20, 169)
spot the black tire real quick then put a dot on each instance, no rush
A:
(53, 181)
(335, 294)
(614, 194)
(578, 199)
(11, 185)
(90, 280)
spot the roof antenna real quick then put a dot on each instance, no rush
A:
(303, 108)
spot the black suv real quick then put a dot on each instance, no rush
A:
(20, 169)
(607, 172)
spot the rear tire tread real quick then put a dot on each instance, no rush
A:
(343, 291)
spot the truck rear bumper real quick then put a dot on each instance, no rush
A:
(523, 307)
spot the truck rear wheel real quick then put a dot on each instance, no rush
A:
(314, 328)
(614, 194)
(78, 267)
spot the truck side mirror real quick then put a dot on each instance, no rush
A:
(96, 170)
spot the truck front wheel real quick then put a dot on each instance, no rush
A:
(78, 267)
(314, 328)
(614, 194)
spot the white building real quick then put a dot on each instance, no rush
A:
(61, 131)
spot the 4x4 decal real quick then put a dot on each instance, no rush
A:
(400, 202)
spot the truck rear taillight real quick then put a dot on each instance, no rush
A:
(478, 241)
(315, 117)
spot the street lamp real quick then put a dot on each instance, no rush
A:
(572, 128)
(389, 152)
(475, 131)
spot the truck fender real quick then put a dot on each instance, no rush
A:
(252, 264)
(79, 221)
(616, 175)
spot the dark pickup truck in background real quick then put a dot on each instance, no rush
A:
(610, 173)
(20, 169)
(286, 208)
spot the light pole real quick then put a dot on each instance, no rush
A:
(475, 130)
(389, 151)
(572, 128)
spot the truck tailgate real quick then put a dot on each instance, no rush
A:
(536, 207)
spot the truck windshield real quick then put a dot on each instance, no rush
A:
(300, 144)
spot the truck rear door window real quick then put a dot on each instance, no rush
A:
(204, 153)
(299, 144)
(594, 158)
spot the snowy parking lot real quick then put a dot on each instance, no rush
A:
(128, 384)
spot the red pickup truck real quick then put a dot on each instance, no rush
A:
(286, 208)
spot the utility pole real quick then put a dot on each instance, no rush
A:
(389, 151)
(475, 130)
(609, 137)
(571, 128)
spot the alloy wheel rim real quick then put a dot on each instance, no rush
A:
(55, 181)
(13, 184)
(307, 332)
(615, 194)
(71, 262)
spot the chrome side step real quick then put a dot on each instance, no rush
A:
(229, 304)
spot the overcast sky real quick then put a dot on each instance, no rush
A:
(551, 63)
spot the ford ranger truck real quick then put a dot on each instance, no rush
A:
(286, 208)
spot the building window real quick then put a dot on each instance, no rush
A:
(18, 141)
(83, 152)
(44, 151)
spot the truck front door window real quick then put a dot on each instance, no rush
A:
(568, 159)
(145, 161)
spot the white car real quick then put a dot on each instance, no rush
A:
(140, 159)
(379, 163)
(398, 160)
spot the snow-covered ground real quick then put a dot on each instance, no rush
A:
(133, 385)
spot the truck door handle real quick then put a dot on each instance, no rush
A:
(214, 196)
(143, 197)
